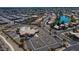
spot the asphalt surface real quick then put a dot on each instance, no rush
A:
(10, 46)
(10, 43)
(43, 42)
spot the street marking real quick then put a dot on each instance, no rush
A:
(12, 49)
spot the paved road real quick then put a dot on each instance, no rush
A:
(62, 31)
(11, 47)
